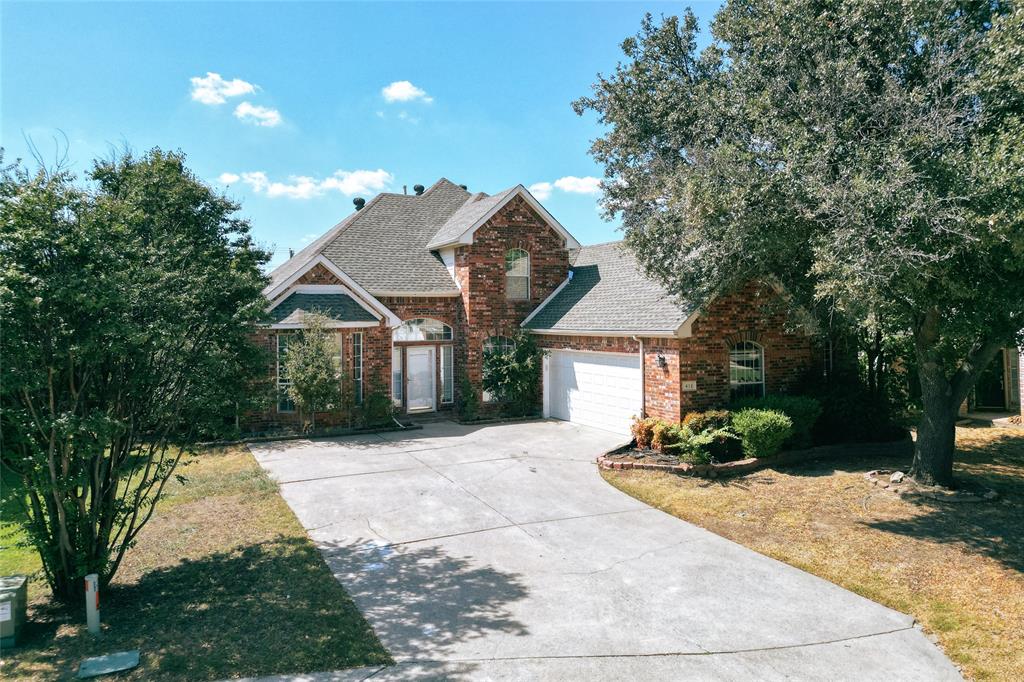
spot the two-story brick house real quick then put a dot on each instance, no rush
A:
(418, 285)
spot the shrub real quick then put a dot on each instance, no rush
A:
(468, 405)
(643, 431)
(711, 420)
(707, 446)
(512, 374)
(763, 431)
(376, 409)
(803, 411)
(666, 434)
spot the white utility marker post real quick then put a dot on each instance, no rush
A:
(92, 603)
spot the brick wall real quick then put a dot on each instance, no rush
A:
(318, 274)
(480, 271)
(754, 313)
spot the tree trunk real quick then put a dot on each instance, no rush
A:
(936, 433)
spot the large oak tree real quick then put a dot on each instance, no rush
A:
(868, 154)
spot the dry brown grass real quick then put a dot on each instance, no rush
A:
(957, 568)
(223, 583)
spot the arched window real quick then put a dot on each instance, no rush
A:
(422, 329)
(496, 344)
(517, 275)
(746, 370)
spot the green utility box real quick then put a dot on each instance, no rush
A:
(13, 601)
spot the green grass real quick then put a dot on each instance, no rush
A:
(223, 583)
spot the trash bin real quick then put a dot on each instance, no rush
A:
(13, 601)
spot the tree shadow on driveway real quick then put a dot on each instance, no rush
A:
(421, 601)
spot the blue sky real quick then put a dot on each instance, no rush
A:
(294, 109)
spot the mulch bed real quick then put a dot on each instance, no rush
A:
(628, 457)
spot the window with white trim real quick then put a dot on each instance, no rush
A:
(396, 376)
(517, 275)
(422, 329)
(447, 375)
(284, 403)
(357, 367)
(496, 344)
(746, 370)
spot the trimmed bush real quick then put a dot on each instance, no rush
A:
(643, 431)
(763, 431)
(666, 434)
(711, 420)
(803, 411)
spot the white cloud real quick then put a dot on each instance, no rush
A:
(261, 116)
(306, 239)
(587, 185)
(541, 190)
(404, 116)
(404, 91)
(212, 89)
(306, 187)
(228, 178)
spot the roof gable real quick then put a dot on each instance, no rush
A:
(608, 293)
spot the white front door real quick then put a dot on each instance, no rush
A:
(593, 389)
(419, 362)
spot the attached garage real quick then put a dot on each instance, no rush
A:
(602, 390)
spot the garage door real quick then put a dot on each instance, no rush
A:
(594, 389)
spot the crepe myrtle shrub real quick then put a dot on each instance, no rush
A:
(512, 373)
(312, 364)
(867, 156)
(128, 300)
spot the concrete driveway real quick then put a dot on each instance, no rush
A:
(497, 552)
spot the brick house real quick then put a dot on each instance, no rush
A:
(416, 286)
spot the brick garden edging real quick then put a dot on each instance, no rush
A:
(619, 459)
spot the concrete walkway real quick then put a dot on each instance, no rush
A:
(497, 552)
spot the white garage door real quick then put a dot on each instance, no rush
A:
(594, 389)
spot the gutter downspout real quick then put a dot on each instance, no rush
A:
(643, 380)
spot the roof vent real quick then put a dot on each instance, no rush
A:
(359, 202)
(464, 187)
(418, 189)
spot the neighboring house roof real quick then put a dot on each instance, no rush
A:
(609, 293)
(337, 307)
(390, 246)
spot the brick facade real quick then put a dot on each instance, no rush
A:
(482, 310)
(755, 313)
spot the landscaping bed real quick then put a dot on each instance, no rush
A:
(629, 457)
(224, 582)
(957, 568)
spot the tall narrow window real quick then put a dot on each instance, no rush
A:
(284, 403)
(517, 275)
(447, 375)
(746, 370)
(826, 358)
(396, 376)
(357, 366)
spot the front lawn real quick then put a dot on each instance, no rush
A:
(958, 568)
(223, 583)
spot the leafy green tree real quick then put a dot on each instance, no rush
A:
(313, 366)
(868, 155)
(512, 373)
(127, 306)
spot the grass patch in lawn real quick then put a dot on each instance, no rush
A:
(957, 568)
(223, 583)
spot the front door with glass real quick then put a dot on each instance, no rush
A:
(419, 362)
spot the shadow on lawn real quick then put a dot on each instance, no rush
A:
(266, 608)
(274, 607)
(422, 601)
(995, 529)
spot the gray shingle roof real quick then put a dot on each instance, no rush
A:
(610, 293)
(467, 216)
(383, 247)
(338, 307)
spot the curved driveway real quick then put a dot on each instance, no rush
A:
(497, 552)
